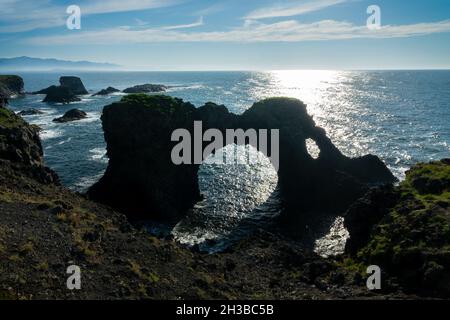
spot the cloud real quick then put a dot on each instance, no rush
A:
(100, 7)
(185, 26)
(25, 15)
(249, 32)
(293, 9)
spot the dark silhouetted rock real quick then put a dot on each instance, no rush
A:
(3, 97)
(30, 112)
(366, 213)
(146, 88)
(10, 85)
(71, 115)
(60, 94)
(74, 84)
(141, 179)
(106, 91)
(43, 91)
(20, 145)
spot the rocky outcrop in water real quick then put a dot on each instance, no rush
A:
(11, 85)
(142, 181)
(106, 91)
(146, 88)
(60, 94)
(71, 115)
(30, 112)
(66, 92)
(74, 84)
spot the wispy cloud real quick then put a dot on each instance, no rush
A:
(292, 9)
(99, 6)
(198, 23)
(25, 15)
(284, 31)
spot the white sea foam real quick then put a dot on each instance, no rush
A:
(99, 155)
(64, 141)
(47, 134)
(85, 182)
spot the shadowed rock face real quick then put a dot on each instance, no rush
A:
(69, 87)
(3, 98)
(10, 85)
(74, 84)
(20, 145)
(59, 94)
(142, 181)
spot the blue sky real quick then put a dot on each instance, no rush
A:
(232, 34)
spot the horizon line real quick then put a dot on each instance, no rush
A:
(224, 70)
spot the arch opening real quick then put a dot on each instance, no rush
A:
(239, 194)
(312, 148)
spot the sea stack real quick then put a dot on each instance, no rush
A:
(74, 84)
(60, 94)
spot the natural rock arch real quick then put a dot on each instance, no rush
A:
(142, 181)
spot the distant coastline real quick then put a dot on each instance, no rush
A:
(30, 64)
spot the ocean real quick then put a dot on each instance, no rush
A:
(401, 116)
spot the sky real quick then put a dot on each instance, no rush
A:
(232, 34)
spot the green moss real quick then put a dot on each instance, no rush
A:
(434, 170)
(417, 230)
(351, 266)
(9, 119)
(159, 102)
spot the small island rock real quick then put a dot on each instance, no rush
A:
(30, 112)
(106, 91)
(71, 115)
(146, 88)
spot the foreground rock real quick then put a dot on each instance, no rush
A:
(71, 115)
(146, 88)
(11, 85)
(142, 181)
(20, 144)
(30, 112)
(106, 91)
(406, 230)
(60, 94)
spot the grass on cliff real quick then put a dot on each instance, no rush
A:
(159, 102)
(9, 119)
(413, 241)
